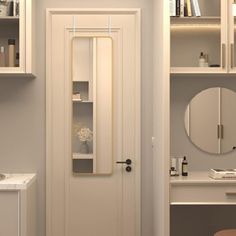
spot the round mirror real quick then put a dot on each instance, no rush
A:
(210, 120)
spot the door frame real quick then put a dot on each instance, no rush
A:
(57, 11)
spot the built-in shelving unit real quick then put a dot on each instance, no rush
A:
(192, 35)
(19, 29)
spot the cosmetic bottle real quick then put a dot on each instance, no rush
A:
(201, 61)
(184, 167)
(17, 59)
(11, 52)
(206, 60)
(2, 57)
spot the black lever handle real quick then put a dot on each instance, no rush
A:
(127, 162)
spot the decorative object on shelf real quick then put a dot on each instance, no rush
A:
(5, 8)
(222, 174)
(17, 59)
(84, 148)
(201, 62)
(176, 166)
(2, 57)
(76, 97)
(173, 168)
(16, 9)
(85, 135)
(185, 167)
(11, 52)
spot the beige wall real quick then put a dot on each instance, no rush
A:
(22, 110)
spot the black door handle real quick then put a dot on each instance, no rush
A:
(127, 162)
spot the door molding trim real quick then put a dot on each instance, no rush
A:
(57, 11)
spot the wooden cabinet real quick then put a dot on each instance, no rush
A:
(19, 28)
(213, 33)
(199, 189)
(17, 204)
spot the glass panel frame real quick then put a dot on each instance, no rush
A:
(92, 101)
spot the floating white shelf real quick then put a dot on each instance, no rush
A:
(81, 101)
(196, 70)
(79, 156)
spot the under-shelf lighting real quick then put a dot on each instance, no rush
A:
(234, 8)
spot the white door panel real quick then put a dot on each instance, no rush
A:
(103, 202)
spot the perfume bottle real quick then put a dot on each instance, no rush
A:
(184, 167)
(11, 52)
(202, 60)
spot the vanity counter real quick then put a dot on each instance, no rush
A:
(199, 189)
(17, 181)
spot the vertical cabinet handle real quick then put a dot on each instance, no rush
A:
(220, 131)
(232, 55)
(223, 55)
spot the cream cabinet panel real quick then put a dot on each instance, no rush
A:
(9, 213)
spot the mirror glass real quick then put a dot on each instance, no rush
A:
(92, 105)
(210, 120)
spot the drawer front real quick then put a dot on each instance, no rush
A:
(203, 194)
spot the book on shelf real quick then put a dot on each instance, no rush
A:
(196, 8)
(177, 7)
(182, 3)
(222, 174)
(183, 8)
(189, 8)
(172, 7)
(16, 10)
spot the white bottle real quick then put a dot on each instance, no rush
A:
(11, 52)
(2, 57)
(202, 61)
(206, 60)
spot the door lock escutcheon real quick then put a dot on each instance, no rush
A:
(128, 162)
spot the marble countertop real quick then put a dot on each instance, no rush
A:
(199, 178)
(17, 181)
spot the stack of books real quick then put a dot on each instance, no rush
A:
(184, 8)
(222, 174)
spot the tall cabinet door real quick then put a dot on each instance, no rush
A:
(232, 35)
(204, 115)
(228, 118)
(93, 123)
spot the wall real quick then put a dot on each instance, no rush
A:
(22, 110)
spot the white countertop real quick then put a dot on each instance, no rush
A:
(198, 178)
(17, 181)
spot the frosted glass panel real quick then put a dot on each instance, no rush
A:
(92, 105)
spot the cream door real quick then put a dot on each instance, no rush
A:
(93, 123)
